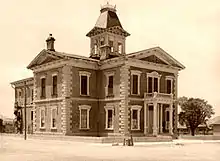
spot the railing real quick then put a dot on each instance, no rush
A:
(156, 95)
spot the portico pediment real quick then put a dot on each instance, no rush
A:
(156, 55)
(43, 57)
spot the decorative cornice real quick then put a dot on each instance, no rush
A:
(152, 66)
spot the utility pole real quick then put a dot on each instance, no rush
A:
(25, 112)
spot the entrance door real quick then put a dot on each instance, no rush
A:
(150, 115)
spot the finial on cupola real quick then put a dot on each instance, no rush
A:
(50, 42)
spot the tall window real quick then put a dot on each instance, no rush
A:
(111, 46)
(169, 84)
(109, 117)
(54, 117)
(135, 82)
(109, 84)
(43, 87)
(84, 82)
(32, 115)
(32, 95)
(54, 92)
(153, 82)
(84, 116)
(42, 118)
(135, 117)
(150, 87)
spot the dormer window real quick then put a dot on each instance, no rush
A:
(111, 46)
(95, 49)
(119, 48)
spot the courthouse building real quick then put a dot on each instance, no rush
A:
(107, 93)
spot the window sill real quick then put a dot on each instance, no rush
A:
(54, 95)
(83, 95)
(42, 97)
(135, 94)
(84, 128)
(109, 129)
(110, 95)
(53, 128)
(135, 129)
(42, 128)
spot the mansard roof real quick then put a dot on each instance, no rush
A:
(159, 54)
(108, 19)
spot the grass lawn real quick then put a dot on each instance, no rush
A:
(17, 149)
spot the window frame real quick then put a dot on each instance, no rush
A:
(106, 117)
(56, 115)
(42, 109)
(120, 48)
(171, 78)
(138, 108)
(41, 89)
(87, 74)
(54, 75)
(107, 75)
(153, 75)
(88, 108)
(138, 73)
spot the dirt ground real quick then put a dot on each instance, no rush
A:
(17, 149)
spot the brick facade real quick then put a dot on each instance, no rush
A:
(90, 114)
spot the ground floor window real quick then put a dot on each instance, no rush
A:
(42, 118)
(84, 116)
(53, 117)
(109, 122)
(135, 117)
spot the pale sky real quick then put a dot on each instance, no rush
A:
(188, 30)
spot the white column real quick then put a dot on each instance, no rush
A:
(171, 119)
(161, 118)
(155, 119)
(158, 118)
(145, 118)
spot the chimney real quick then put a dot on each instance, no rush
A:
(50, 43)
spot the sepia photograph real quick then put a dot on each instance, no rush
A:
(110, 80)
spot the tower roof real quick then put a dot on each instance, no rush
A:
(108, 19)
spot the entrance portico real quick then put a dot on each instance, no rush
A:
(158, 113)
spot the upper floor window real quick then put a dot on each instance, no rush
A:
(54, 117)
(32, 115)
(54, 80)
(153, 80)
(109, 117)
(84, 116)
(119, 48)
(111, 46)
(135, 82)
(135, 117)
(32, 94)
(43, 87)
(169, 84)
(84, 82)
(110, 84)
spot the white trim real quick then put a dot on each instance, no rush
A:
(108, 74)
(53, 108)
(171, 78)
(43, 109)
(138, 108)
(106, 117)
(138, 73)
(153, 75)
(84, 107)
(87, 74)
